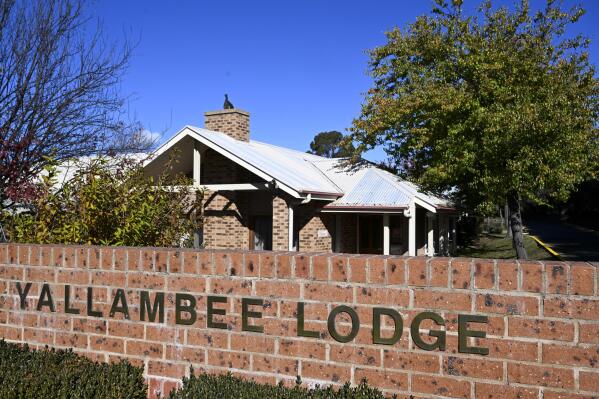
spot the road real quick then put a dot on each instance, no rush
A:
(573, 243)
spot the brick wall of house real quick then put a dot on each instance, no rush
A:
(233, 122)
(315, 229)
(542, 332)
(280, 224)
(226, 214)
(225, 221)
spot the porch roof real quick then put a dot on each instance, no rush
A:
(375, 188)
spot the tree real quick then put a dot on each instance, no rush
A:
(59, 95)
(330, 145)
(107, 201)
(497, 107)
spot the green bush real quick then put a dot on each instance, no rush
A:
(107, 201)
(50, 373)
(26, 373)
(206, 386)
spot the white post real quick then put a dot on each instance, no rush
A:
(430, 221)
(412, 230)
(197, 163)
(386, 235)
(290, 226)
(338, 233)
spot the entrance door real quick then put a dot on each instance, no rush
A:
(371, 234)
(261, 233)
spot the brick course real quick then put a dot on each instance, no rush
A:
(542, 334)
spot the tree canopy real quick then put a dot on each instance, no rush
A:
(330, 145)
(496, 106)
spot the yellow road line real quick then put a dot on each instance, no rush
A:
(546, 247)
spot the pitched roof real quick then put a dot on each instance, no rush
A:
(291, 167)
(305, 173)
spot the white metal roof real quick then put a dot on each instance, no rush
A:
(304, 173)
(291, 167)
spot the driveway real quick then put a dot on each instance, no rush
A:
(571, 242)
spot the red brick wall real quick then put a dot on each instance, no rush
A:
(542, 335)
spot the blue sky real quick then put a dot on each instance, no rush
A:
(299, 67)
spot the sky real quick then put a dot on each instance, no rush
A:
(299, 67)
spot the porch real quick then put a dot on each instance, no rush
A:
(411, 232)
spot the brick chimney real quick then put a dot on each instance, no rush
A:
(233, 122)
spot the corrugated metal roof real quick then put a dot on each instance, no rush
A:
(307, 173)
(374, 190)
(288, 166)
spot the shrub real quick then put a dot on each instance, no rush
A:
(206, 386)
(106, 201)
(26, 373)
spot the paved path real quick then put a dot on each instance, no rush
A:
(571, 242)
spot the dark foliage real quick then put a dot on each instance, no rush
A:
(207, 386)
(26, 373)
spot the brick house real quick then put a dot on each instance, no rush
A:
(261, 196)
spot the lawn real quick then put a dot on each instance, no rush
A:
(497, 246)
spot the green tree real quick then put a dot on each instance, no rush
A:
(498, 106)
(330, 145)
(107, 201)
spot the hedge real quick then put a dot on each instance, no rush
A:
(49, 373)
(206, 386)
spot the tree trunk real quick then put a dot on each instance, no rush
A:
(515, 218)
(508, 223)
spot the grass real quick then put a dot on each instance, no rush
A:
(497, 246)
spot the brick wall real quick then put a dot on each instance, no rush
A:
(542, 332)
(315, 229)
(280, 224)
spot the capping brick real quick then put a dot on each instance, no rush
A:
(484, 274)
(439, 272)
(508, 275)
(396, 271)
(532, 276)
(461, 273)
(376, 270)
(417, 272)
(557, 277)
(583, 279)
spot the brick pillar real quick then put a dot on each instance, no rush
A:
(280, 224)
